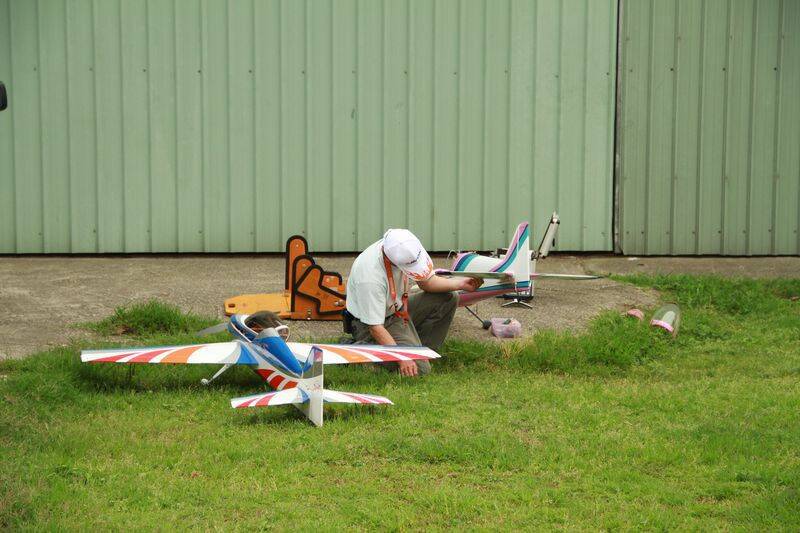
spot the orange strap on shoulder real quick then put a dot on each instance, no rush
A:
(401, 313)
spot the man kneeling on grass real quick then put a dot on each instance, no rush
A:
(382, 311)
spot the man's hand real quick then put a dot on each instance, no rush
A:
(470, 284)
(441, 284)
(408, 368)
(383, 337)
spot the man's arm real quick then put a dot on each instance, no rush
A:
(384, 338)
(441, 284)
(382, 335)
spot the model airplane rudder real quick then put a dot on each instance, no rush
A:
(312, 385)
(518, 258)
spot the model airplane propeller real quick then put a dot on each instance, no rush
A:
(294, 370)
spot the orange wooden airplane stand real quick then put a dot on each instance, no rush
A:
(309, 292)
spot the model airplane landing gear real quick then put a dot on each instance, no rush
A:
(520, 299)
(218, 374)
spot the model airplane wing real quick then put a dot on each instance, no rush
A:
(341, 354)
(479, 275)
(218, 353)
(564, 276)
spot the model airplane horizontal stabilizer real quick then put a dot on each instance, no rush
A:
(283, 397)
(298, 395)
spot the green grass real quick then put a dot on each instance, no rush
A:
(619, 428)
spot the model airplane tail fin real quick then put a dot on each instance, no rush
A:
(517, 260)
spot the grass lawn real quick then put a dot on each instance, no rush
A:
(622, 427)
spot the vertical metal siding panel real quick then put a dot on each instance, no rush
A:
(8, 242)
(572, 118)
(421, 108)
(634, 125)
(762, 172)
(711, 159)
(368, 113)
(471, 123)
(216, 172)
(343, 137)
(395, 114)
(268, 141)
(660, 135)
(27, 126)
(163, 131)
(445, 154)
(787, 227)
(611, 124)
(320, 135)
(521, 120)
(55, 133)
(108, 87)
(82, 124)
(293, 117)
(242, 151)
(739, 124)
(546, 110)
(496, 190)
(686, 132)
(189, 125)
(600, 99)
(136, 129)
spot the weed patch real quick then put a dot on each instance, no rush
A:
(734, 296)
(149, 318)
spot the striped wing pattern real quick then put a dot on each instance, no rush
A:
(275, 379)
(271, 398)
(208, 354)
(333, 396)
(340, 354)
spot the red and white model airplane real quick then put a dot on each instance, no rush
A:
(294, 370)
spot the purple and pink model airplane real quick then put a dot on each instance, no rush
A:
(510, 271)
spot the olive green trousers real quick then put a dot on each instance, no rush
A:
(431, 314)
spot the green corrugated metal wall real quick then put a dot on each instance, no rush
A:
(710, 127)
(213, 125)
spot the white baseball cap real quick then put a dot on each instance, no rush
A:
(406, 252)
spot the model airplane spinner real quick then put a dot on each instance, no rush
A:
(294, 370)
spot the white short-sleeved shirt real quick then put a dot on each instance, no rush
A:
(368, 295)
